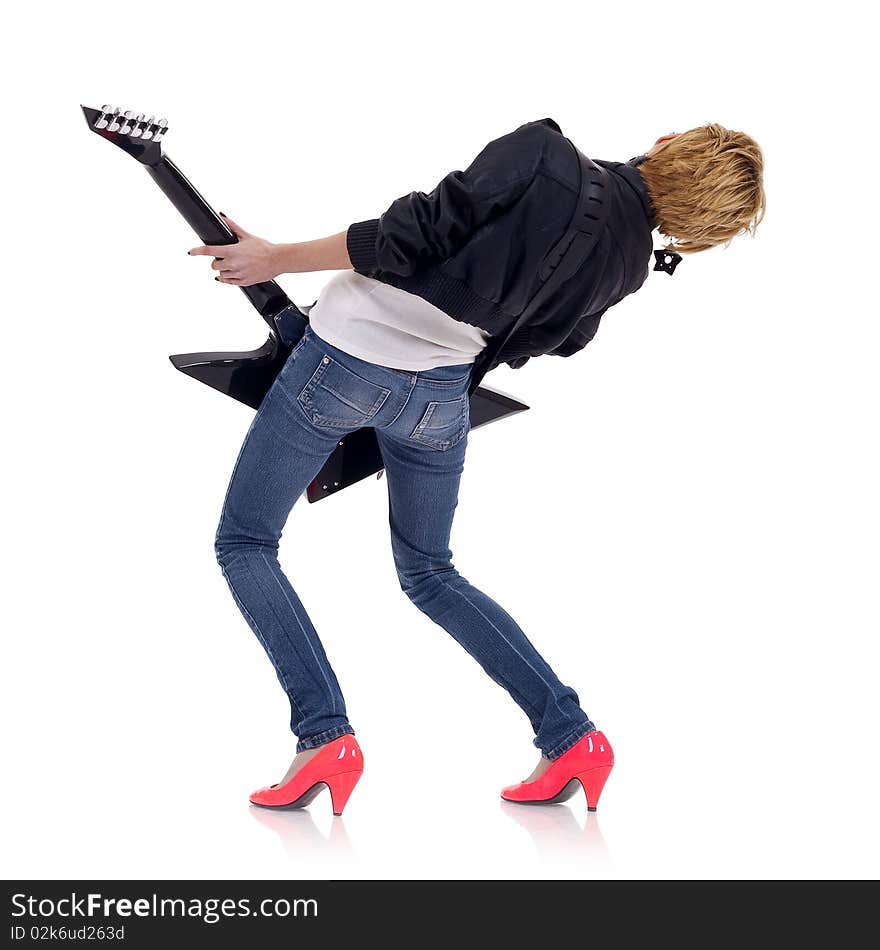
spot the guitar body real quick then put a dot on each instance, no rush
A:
(244, 375)
(247, 375)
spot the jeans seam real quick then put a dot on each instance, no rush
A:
(280, 624)
(256, 628)
(235, 468)
(305, 635)
(405, 403)
(500, 634)
(525, 702)
(467, 600)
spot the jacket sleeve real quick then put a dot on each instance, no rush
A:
(419, 226)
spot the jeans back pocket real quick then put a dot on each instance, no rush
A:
(444, 422)
(336, 396)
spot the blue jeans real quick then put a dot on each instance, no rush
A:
(421, 421)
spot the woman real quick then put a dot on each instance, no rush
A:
(391, 344)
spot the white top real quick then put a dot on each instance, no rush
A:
(391, 327)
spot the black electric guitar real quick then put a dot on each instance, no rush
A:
(247, 376)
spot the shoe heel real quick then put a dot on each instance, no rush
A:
(593, 781)
(341, 786)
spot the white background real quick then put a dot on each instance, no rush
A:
(685, 522)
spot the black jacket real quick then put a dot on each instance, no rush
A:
(474, 246)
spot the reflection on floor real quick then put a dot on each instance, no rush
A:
(557, 833)
(300, 835)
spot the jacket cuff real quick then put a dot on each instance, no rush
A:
(360, 240)
(518, 345)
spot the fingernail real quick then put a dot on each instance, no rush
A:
(188, 252)
(216, 278)
(222, 214)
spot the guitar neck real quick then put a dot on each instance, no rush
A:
(268, 298)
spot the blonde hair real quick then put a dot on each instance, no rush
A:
(705, 186)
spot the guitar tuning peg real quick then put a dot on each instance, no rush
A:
(114, 122)
(103, 118)
(127, 122)
(160, 132)
(137, 129)
(148, 128)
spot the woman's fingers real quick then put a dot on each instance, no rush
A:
(211, 250)
(224, 262)
(235, 263)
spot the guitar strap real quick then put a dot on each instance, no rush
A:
(562, 261)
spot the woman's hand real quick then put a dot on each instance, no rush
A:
(251, 261)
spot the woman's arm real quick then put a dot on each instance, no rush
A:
(329, 253)
(254, 260)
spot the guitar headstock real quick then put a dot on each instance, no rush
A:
(137, 135)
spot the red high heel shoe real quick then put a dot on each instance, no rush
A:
(338, 765)
(588, 762)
